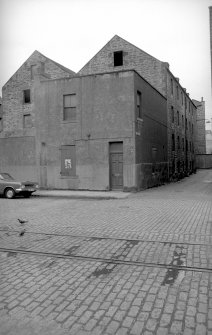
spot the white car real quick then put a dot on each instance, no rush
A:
(9, 187)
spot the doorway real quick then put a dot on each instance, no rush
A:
(116, 165)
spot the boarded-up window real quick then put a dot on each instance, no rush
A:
(68, 160)
(69, 107)
(27, 121)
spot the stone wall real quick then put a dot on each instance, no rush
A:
(147, 66)
(14, 107)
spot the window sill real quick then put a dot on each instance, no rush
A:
(69, 121)
(68, 177)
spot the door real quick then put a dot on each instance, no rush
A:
(116, 166)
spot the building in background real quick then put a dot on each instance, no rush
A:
(122, 122)
(200, 144)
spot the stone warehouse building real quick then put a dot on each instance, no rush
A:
(181, 111)
(122, 122)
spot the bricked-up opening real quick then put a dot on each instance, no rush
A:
(27, 99)
(118, 58)
(27, 120)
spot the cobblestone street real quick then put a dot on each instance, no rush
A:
(135, 265)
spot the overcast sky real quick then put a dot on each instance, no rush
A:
(73, 31)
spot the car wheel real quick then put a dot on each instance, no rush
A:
(9, 193)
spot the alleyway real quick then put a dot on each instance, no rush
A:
(135, 265)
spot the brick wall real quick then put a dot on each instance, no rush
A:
(158, 75)
(180, 111)
(201, 133)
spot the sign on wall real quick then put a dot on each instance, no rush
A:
(68, 160)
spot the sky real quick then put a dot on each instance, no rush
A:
(71, 32)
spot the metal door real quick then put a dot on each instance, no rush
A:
(116, 171)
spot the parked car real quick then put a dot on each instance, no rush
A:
(9, 187)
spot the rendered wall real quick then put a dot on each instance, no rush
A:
(104, 114)
(18, 157)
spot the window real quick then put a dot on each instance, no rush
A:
(172, 87)
(1, 124)
(182, 121)
(173, 142)
(27, 99)
(172, 113)
(178, 118)
(118, 58)
(68, 161)
(186, 124)
(27, 121)
(139, 106)
(185, 103)
(177, 92)
(69, 107)
(178, 142)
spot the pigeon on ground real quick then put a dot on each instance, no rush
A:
(22, 232)
(22, 221)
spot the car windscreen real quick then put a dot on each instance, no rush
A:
(5, 176)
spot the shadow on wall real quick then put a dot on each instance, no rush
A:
(150, 175)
